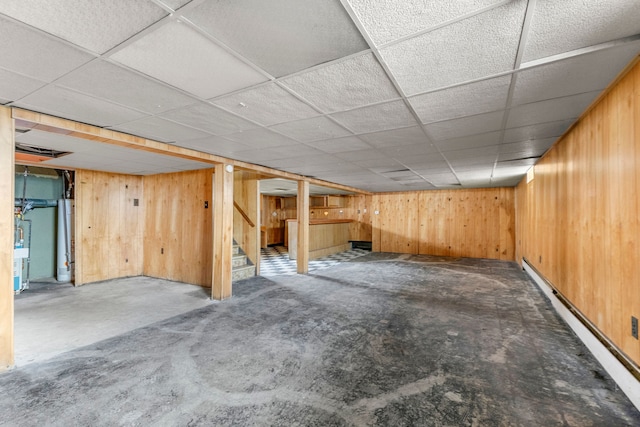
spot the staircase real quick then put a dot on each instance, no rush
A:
(242, 267)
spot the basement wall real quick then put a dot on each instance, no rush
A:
(108, 226)
(476, 223)
(178, 229)
(578, 219)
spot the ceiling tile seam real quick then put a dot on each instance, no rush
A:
(444, 24)
(182, 19)
(185, 7)
(522, 44)
(326, 64)
(414, 172)
(137, 36)
(387, 70)
(578, 52)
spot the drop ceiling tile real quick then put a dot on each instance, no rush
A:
(108, 81)
(530, 147)
(176, 4)
(537, 131)
(408, 151)
(14, 86)
(390, 115)
(314, 129)
(62, 102)
(259, 157)
(580, 74)
(386, 21)
(482, 45)
(466, 126)
(472, 141)
(362, 155)
(551, 110)
(396, 137)
(55, 141)
(160, 130)
(530, 154)
(30, 53)
(260, 138)
(475, 98)
(339, 145)
(208, 118)
(215, 145)
(472, 155)
(96, 26)
(281, 36)
(564, 26)
(344, 85)
(181, 57)
(268, 105)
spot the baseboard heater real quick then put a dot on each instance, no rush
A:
(623, 371)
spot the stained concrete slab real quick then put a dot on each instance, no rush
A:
(384, 339)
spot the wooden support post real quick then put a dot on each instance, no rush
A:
(302, 257)
(222, 231)
(7, 171)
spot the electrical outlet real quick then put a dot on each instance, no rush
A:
(206, 204)
(634, 327)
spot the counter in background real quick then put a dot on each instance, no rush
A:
(326, 237)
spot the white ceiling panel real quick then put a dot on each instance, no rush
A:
(344, 85)
(208, 118)
(562, 26)
(260, 138)
(314, 129)
(362, 155)
(215, 145)
(308, 33)
(181, 57)
(476, 98)
(389, 20)
(471, 141)
(527, 148)
(160, 130)
(339, 145)
(472, 155)
(175, 4)
(96, 26)
(33, 54)
(584, 73)
(483, 45)
(14, 86)
(465, 126)
(537, 131)
(63, 102)
(108, 81)
(408, 151)
(268, 105)
(396, 137)
(551, 110)
(390, 115)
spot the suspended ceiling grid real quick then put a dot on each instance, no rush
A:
(378, 95)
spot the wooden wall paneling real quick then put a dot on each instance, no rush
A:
(398, 222)
(7, 171)
(222, 233)
(435, 216)
(578, 220)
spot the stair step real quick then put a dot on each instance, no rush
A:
(236, 249)
(240, 273)
(239, 260)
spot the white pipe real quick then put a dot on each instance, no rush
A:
(64, 241)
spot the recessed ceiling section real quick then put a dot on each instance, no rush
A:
(386, 21)
(267, 104)
(180, 56)
(308, 33)
(66, 103)
(474, 48)
(475, 98)
(390, 115)
(563, 26)
(580, 74)
(96, 26)
(108, 81)
(36, 55)
(355, 82)
(209, 118)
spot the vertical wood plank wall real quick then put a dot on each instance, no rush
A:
(178, 228)
(477, 223)
(7, 177)
(246, 194)
(108, 227)
(578, 219)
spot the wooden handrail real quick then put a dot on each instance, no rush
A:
(243, 213)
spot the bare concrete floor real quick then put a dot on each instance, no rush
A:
(384, 339)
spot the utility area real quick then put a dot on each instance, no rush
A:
(43, 227)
